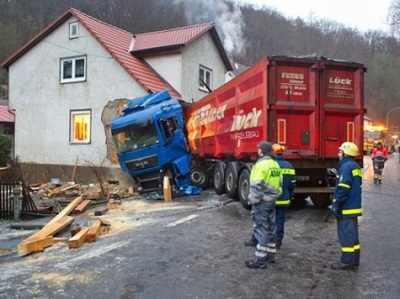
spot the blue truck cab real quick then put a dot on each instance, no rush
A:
(150, 141)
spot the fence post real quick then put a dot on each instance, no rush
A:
(17, 196)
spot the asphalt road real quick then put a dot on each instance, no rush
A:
(193, 248)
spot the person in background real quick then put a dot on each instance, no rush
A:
(265, 187)
(346, 206)
(379, 156)
(283, 201)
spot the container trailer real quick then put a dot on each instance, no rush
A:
(309, 104)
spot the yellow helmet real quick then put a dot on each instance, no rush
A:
(278, 148)
(349, 148)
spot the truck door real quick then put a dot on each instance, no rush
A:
(341, 109)
(293, 113)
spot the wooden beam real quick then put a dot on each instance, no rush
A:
(78, 240)
(34, 245)
(62, 188)
(101, 212)
(82, 206)
(75, 230)
(38, 241)
(94, 232)
(105, 222)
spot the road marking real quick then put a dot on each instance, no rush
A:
(188, 218)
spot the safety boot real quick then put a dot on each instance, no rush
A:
(343, 266)
(251, 242)
(256, 264)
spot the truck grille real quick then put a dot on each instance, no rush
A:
(143, 163)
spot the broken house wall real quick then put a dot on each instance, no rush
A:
(42, 104)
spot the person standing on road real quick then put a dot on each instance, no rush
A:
(265, 187)
(288, 185)
(379, 156)
(346, 206)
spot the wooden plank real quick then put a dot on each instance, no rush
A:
(70, 207)
(54, 227)
(112, 206)
(74, 170)
(100, 212)
(82, 206)
(62, 188)
(75, 230)
(78, 240)
(61, 240)
(105, 222)
(35, 245)
(93, 232)
(38, 241)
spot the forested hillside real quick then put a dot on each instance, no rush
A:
(248, 34)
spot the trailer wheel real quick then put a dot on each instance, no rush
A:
(299, 201)
(199, 177)
(243, 188)
(231, 179)
(321, 200)
(219, 178)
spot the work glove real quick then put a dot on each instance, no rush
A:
(336, 211)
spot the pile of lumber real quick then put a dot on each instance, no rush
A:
(45, 237)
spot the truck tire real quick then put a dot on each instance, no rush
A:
(231, 179)
(219, 178)
(243, 188)
(299, 201)
(321, 200)
(199, 177)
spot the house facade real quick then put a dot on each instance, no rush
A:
(69, 82)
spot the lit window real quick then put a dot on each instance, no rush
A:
(73, 69)
(205, 78)
(73, 30)
(80, 127)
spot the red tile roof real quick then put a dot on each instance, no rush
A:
(5, 115)
(173, 39)
(118, 42)
(177, 37)
(115, 40)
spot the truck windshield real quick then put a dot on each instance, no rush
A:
(135, 136)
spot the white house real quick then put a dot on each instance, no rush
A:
(67, 83)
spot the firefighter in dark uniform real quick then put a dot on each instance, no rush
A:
(288, 185)
(346, 207)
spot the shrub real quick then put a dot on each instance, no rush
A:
(5, 150)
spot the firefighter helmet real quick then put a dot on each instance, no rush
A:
(278, 148)
(349, 148)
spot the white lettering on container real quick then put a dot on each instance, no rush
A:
(338, 80)
(246, 121)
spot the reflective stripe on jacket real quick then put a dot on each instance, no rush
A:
(265, 180)
(347, 197)
(288, 182)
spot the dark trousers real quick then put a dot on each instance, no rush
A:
(280, 224)
(347, 229)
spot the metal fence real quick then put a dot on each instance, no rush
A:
(7, 200)
(7, 204)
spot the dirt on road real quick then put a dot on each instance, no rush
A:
(192, 247)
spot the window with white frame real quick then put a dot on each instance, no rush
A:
(205, 78)
(73, 69)
(73, 30)
(80, 126)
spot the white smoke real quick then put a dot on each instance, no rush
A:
(228, 22)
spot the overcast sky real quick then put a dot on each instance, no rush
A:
(360, 14)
